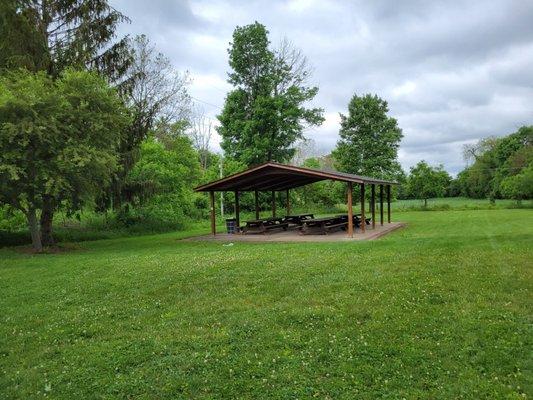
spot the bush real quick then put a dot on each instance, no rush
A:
(11, 219)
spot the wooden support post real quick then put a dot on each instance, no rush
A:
(213, 222)
(381, 204)
(256, 204)
(388, 203)
(288, 203)
(363, 218)
(349, 203)
(373, 206)
(273, 204)
(237, 211)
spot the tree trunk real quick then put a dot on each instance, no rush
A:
(425, 203)
(34, 230)
(47, 216)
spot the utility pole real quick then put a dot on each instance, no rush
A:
(222, 193)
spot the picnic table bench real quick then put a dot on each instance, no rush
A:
(323, 226)
(298, 219)
(265, 225)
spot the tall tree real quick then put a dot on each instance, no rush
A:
(200, 132)
(58, 140)
(369, 139)
(265, 115)
(425, 181)
(157, 94)
(51, 35)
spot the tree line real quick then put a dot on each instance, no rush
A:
(92, 121)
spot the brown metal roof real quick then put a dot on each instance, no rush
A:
(274, 176)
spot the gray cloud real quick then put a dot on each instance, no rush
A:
(452, 72)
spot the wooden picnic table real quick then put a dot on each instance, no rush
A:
(298, 219)
(356, 219)
(323, 226)
(265, 225)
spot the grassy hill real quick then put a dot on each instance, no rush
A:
(440, 309)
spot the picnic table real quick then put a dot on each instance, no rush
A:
(356, 219)
(265, 225)
(323, 226)
(298, 219)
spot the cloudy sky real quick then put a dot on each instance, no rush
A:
(452, 71)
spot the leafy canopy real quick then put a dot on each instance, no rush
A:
(495, 163)
(369, 139)
(425, 181)
(264, 115)
(57, 138)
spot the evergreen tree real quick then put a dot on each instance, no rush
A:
(264, 115)
(369, 139)
(52, 35)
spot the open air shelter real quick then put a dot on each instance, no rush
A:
(273, 177)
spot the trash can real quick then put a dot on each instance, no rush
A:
(231, 225)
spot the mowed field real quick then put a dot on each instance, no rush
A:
(441, 309)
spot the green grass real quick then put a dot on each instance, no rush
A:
(95, 226)
(440, 309)
(459, 203)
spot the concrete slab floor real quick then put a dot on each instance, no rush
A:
(293, 235)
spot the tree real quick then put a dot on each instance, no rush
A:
(265, 115)
(157, 95)
(369, 139)
(520, 186)
(53, 35)
(324, 193)
(161, 183)
(425, 182)
(58, 140)
(473, 151)
(200, 132)
(494, 160)
(304, 149)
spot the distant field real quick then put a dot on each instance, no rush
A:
(440, 309)
(457, 203)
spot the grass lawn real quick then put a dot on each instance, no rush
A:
(459, 203)
(441, 309)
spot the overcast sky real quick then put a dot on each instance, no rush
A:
(451, 71)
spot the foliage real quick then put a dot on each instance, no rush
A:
(54, 35)
(519, 186)
(158, 99)
(369, 139)
(497, 160)
(421, 313)
(264, 115)
(158, 94)
(320, 194)
(425, 181)
(57, 138)
(160, 184)
(221, 167)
